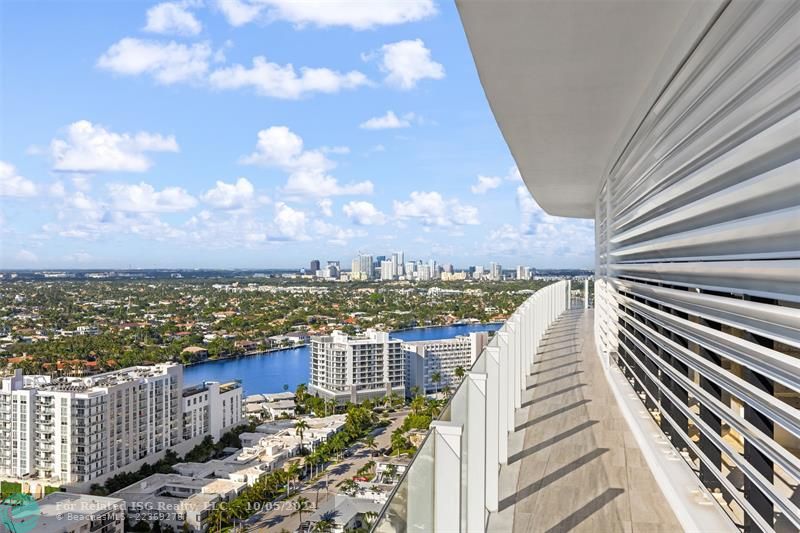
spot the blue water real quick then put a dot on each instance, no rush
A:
(269, 372)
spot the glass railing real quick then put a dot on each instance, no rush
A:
(452, 482)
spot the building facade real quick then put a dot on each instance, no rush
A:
(685, 151)
(427, 360)
(211, 408)
(73, 430)
(348, 368)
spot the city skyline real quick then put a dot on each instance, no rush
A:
(181, 135)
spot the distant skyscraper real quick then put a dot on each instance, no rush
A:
(477, 273)
(366, 266)
(495, 271)
(314, 266)
(387, 270)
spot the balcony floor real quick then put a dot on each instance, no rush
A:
(574, 464)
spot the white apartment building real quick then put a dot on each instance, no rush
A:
(78, 429)
(495, 271)
(354, 368)
(387, 270)
(211, 408)
(424, 359)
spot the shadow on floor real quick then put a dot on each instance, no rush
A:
(549, 442)
(569, 523)
(553, 476)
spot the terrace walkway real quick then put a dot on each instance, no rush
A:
(574, 464)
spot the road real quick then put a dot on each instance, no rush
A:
(279, 516)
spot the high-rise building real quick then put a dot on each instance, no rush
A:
(495, 271)
(409, 270)
(354, 368)
(477, 273)
(440, 358)
(387, 270)
(77, 429)
(314, 266)
(523, 272)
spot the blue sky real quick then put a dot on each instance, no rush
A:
(255, 134)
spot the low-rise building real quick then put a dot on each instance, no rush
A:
(62, 512)
(177, 501)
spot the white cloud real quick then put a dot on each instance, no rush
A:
(308, 170)
(283, 81)
(57, 189)
(144, 198)
(26, 256)
(167, 63)
(485, 184)
(434, 210)
(238, 195)
(387, 121)
(335, 234)
(12, 184)
(363, 213)
(326, 207)
(239, 12)
(92, 148)
(173, 18)
(290, 223)
(407, 62)
(550, 237)
(356, 15)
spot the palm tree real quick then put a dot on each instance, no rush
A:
(460, 372)
(299, 429)
(436, 378)
(324, 525)
(348, 487)
(292, 472)
(301, 505)
(389, 472)
(398, 441)
(417, 404)
(369, 442)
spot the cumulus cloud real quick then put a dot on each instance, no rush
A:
(144, 198)
(356, 15)
(407, 62)
(238, 195)
(432, 209)
(12, 184)
(92, 148)
(546, 235)
(363, 213)
(290, 223)
(334, 234)
(387, 121)
(283, 81)
(173, 18)
(326, 207)
(166, 63)
(485, 184)
(308, 170)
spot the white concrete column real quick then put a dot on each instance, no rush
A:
(504, 405)
(447, 476)
(493, 432)
(569, 293)
(476, 452)
(514, 353)
(586, 293)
